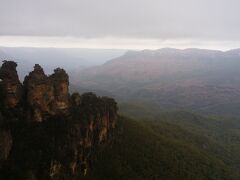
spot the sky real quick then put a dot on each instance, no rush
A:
(122, 24)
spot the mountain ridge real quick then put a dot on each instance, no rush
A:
(179, 79)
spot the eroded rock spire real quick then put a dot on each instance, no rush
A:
(11, 86)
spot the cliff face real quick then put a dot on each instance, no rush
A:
(39, 94)
(46, 95)
(11, 85)
(60, 84)
(45, 132)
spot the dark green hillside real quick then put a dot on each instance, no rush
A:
(141, 152)
(220, 137)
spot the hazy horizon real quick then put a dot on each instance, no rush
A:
(120, 25)
(129, 89)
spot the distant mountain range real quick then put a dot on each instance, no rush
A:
(205, 81)
(46, 133)
(67, 58)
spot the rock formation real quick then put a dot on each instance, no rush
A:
(50, 133)
(46, 95)
(39, 93)
(60, 85)
(11, 86)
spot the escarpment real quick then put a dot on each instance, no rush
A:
(45, 132)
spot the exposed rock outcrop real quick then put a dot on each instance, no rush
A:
(39, 94)
(54, 134)
(11, 86)
(60, 85)
(46, 95)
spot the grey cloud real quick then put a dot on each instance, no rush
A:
(209, 19)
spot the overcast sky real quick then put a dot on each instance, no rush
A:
(128, 24)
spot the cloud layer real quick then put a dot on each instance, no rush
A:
(215, 19)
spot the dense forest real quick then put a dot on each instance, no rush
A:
(48, 133)
(178, 145)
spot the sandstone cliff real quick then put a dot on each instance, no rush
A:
(46, 95)
(11, 85)
(45, 132)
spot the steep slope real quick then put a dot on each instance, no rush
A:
(218, 136)
(45, 132)
(201, 80)
(168, 152)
